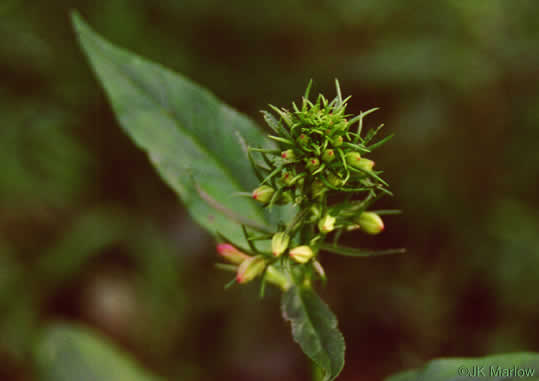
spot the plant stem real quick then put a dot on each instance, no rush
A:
(316, 372)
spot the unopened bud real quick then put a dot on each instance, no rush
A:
(337, 141)
(328, 155)
(301, 254)
(231, 254)
(285, 198)
(326, 224)
(277, 277)
(279, 243)
(287, 178)
(334, 180)
(288, 155)
(250, 269)
(365, 164)
(316, 213)
(353, 158)
(370, 223)
(318, 188)
(312, 164)
(303, 139)
(263, 193)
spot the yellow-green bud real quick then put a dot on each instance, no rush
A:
(316, 213)
(231, 254)
(334, 180)
(328, 155)
(303, 139)
(318, 188)
(353, 158)
(301, 254)
(250, 269)
(277, 277)
(370, 223)
(365, 164)
(285, 198)
(287, 177)
(263, 193)
(288, 155)
(326, 224)
(279, 243)
(337, 141)
(312, 164)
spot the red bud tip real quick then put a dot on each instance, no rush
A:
(230, 253)
(224, 247)
(283, 155)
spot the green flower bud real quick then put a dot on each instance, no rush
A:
(365, 164)
(318, 188)
(277, 277)
(287, 177)
(353, 158)
(334, 180)
(337, 141)
(263, 194)
(312, 164)
(370, 223)
(279, 243)
(288, 155)
(303, 140)
(326, 224)
(328, 156)
(231, 254)
(250, 269)
(285, 198)
(316, 213)
(301, 254)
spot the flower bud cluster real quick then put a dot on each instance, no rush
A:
(321, 156)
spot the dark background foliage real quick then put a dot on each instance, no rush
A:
(89, 233)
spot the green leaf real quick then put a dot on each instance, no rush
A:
(314, 328)
(355, 252)
(505, 367)
(66, 353)
(197, 143)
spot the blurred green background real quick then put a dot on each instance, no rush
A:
(90, 236)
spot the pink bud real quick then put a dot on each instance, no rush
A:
(231, 254)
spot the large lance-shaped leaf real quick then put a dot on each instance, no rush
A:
(196, 142)
(507, 367)
(314, 328)
(66, 353)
